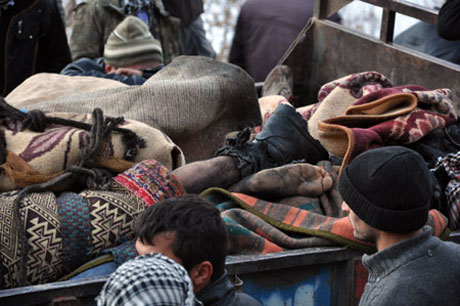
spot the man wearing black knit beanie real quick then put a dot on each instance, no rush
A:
(387, 192)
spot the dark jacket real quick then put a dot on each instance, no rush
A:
(423, 37)
(186, 11)
(96, 68)
(449, 20)
(33, 40)
(222, 293)
(264, 31)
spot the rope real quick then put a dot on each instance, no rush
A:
(36, 120)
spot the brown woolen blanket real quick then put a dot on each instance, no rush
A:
(195, 100)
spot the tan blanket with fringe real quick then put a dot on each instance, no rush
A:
(195, 100)
(34, 157)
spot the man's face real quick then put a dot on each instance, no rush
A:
(361, 230)
(161, 243)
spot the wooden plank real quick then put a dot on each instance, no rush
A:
(327, 51)
(294, 258)
(409, 9)
(387, 25)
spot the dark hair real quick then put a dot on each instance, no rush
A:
(200, 231)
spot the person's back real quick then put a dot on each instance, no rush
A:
(96, 19)
(421, 271)
(449, 20)
(264, 31)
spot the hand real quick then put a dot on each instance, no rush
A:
(128, 71)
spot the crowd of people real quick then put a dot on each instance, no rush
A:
(181, 242)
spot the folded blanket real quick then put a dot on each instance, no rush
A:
(362, 111)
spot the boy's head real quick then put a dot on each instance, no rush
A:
(189, 230)
(131, 45)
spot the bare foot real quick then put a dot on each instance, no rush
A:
(288, 180)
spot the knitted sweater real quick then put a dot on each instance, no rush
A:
(419, 271)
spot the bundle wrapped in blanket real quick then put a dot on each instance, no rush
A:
(194, 100)
(44, 236)
(258, 225)
(37, 147)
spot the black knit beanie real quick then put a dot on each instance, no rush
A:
(388, 188)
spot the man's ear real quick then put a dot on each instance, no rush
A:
(201, 275)
(109, 69)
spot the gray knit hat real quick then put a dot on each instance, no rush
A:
(131, 43)
(388, 188)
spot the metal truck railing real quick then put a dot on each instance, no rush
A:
(323, 51)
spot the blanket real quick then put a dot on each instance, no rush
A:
(195, 100)
(364, 111)
(258, 226)
(66, 231)
(36, 156)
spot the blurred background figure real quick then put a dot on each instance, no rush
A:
(264, 31)
(424, 37)
(174, 23)
(449, 20)
(193, 39)
(33, 40)
(131, 55)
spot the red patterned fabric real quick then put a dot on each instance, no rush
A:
(150, 181)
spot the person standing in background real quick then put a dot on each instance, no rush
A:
(449, 20)
(264, 31)
(193, 39)
(131, 55)
(94, 20)
(33, 40)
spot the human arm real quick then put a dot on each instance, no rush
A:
(449, 20)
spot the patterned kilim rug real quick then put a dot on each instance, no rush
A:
(67, 231)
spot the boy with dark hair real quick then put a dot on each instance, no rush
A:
(190, 230)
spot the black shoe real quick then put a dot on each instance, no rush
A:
(283, 139)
